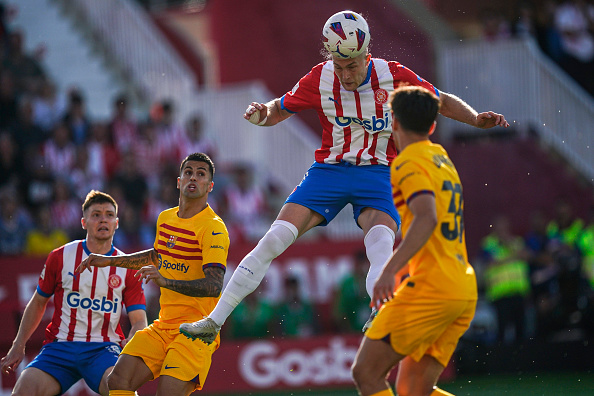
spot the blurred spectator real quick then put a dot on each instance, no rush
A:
(549, 37)
(150, 154)
(295, 315)
(82, 178)
(524, 24)
(132, 234)
(169, 131)
(131, 182)
(251, 319)
(59, 152)
(586, 246)
(507, 279)
(27, 71)
(495, 25)
(122, 127)
(48, 107)
(543, 277)
(573, 23)
(3, 29)
(102, 155)
(8, 99)
(166, 197)
(65, 209)
(39, 183)
(45, 236)
(15, 223)
(195, 140)
(351, 303)
(28, 136)
(564, 231)
(245, 206)
(75, 117)
(11, 166)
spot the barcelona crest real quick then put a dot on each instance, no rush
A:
(171, 241)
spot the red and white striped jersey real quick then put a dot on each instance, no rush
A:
(87, 306)
(357, 125)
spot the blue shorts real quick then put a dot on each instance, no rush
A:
(327, 188)
(68, 362)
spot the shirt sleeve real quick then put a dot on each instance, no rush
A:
(404, 75)
(215, 246)
(305, 94)
(49, 275)
(133, 294)
(411, 180)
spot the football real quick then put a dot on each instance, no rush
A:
(346, 34)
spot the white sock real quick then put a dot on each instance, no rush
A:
(379, 245)
(253, 267)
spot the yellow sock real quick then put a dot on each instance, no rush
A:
(121, 393)
(436, 392)
(387, 392)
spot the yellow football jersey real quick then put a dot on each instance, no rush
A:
(440, 269)
(185, 248)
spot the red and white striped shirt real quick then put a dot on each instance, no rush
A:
(87, 306)
(357, 125)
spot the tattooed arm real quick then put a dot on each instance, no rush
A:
(209, 286)
(133, 261)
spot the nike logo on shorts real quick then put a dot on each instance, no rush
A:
(170, 367)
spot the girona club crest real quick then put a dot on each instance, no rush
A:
(114, 281)
(381, 96)
(171, 241)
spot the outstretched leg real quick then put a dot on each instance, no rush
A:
(292, 221)
(379, 240)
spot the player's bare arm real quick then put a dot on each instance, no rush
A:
(31, 319)
(421, 228)
(455, 108)
(132, 261)
(209, 286)
(138, 321)
(270, 113)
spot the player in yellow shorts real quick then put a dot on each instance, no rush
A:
(188, 262)
(418, 325)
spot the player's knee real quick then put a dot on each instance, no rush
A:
(278, 238)
(116, 381)
(359, 374)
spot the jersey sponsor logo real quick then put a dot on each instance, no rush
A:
(217, 247)
(375, 124)
(171, 242)
(42, 276)
(99, 305)
(380, 96)
(216, 233)
(114, 281)
(330, 98)
(173, 266)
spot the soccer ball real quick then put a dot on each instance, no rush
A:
(346, 34)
